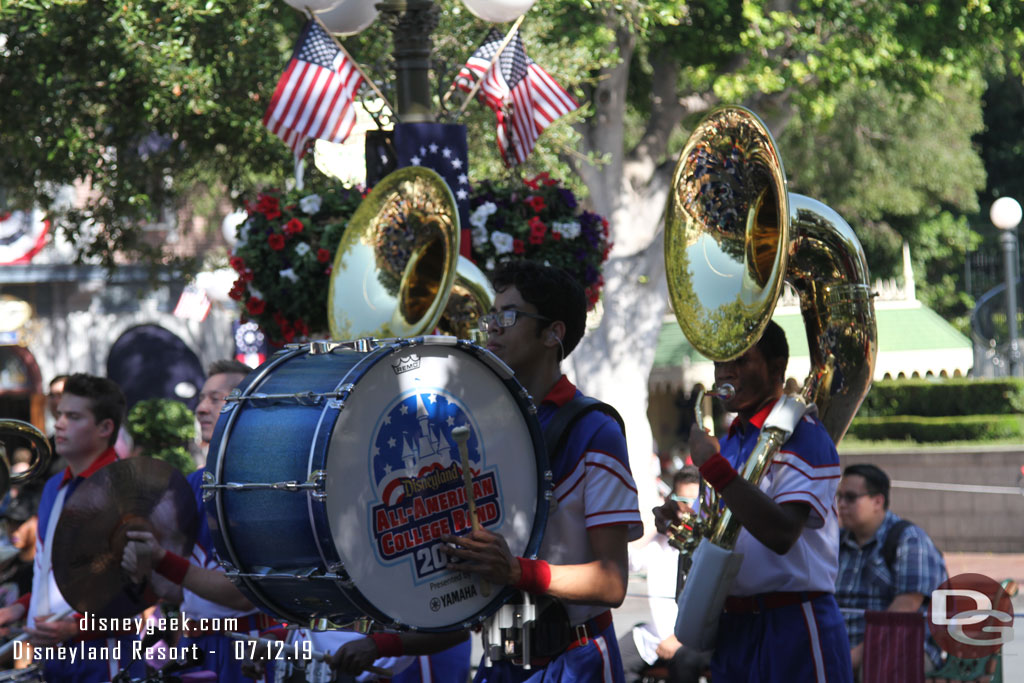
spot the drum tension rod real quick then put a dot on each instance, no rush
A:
(314, 483)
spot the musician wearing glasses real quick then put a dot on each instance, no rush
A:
(537, 319)
(781, 622)
(885, 563)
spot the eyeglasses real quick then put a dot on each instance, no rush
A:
(506, 318)
(849, 497)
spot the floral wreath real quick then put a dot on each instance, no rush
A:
(540, 221)
(283, 257)
(285, 248)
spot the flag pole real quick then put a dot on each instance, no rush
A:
(476, 85)
(366, 78)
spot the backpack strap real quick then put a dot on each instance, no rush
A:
(892, 542)
(557, 431)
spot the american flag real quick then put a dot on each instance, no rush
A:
(314, 96)
(523, 96)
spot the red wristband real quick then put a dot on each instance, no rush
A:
(388, 644)
(718, 472)
(173, 567)
(536, 576)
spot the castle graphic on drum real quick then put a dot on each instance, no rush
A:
(419, 481)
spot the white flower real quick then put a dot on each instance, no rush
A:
(490, 264)
(288, 274)
(243, 232)
(480, 236)
(502, 242)
(310, 204)
(479, 217)
(567, 229)
(301, 249)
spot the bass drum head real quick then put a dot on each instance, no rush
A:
(395, 480)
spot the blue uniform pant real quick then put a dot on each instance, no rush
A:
(802, 643)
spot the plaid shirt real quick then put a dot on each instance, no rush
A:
(865, 582)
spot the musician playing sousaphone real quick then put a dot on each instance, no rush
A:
(781, 621)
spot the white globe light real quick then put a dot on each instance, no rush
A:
(349, 17)
(314, 5)
(498, 11)
(1005, 213)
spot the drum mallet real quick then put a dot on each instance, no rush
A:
(461, 436)
(314, 655)
(8, 647)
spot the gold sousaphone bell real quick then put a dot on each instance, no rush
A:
(398, 272)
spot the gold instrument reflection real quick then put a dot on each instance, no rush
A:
(397, 271)
(39, 446)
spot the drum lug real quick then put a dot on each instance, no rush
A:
(320, 347)
(318, 479)
(549, 493)
(208, 485)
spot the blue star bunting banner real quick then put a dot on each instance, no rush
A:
(442, 148)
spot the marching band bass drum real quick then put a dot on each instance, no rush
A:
(333, 473)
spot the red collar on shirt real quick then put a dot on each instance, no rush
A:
(106, 457)
(757, 420)
(561, 393)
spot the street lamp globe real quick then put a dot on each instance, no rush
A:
(1005, 213)
(498, 11)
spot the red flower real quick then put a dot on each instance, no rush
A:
(269, 207)
(518, 247)
(536, 203)
(255, 306)
(276, 241)
(293, 227)
(322, 255)
(300, 327)
(531, 183)
(248, 275)
(287, 332)
(279, 319)
(556, 236)
(237, 262)
(237, 290)
(537, 231)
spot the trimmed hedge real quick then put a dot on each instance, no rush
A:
(934, 398)
(932, 429)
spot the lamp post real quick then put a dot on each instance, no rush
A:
(1005, 215)
(411, 23)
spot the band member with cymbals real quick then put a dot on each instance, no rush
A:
(781, 622)
(89, 415)
(538, 318)
(206, 593)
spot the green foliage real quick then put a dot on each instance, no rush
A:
(162, 429)
(939, 429)
(951, 397)
(141, 99)
(152, 102)
(900, 166)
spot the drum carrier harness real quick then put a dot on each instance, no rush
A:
(536, 629)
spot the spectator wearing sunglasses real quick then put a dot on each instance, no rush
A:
(885, 563)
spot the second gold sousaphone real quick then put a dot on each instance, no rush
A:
(397, 271)
(733, 234)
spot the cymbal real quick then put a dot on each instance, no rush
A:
(137, 494)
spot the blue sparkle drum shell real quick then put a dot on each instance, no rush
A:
(332, 475)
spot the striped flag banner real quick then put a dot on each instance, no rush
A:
(524, 97)
(314, 96)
